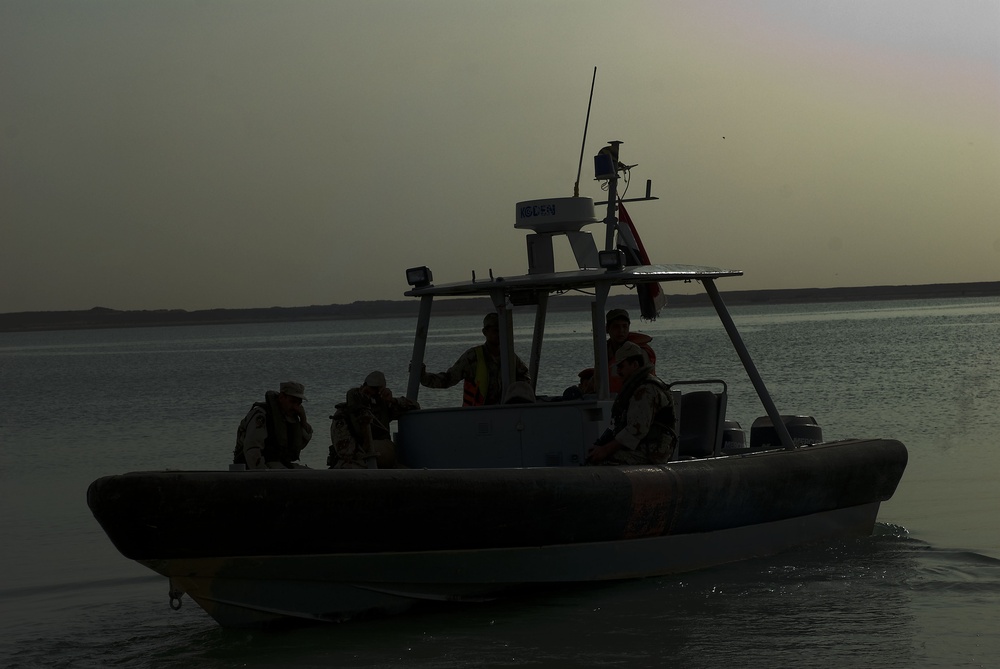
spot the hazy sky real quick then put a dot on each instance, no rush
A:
(244, 153)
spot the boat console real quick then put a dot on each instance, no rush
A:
(538, 434)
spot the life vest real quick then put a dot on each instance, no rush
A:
(474, 391)
(283, 446)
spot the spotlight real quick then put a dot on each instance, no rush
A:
(611, 260)
(418, 277)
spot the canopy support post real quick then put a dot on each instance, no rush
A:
(600, 340)
(419, 346)
(541, 310)
(751, 369)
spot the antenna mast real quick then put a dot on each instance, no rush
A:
(576, 186)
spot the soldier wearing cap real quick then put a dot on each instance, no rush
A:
(618, 324)
(360, 426)
(274, 431)
(643, 418)
(479, 368)
(584, 387)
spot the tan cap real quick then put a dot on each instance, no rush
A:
(293, 389)
(628, 350)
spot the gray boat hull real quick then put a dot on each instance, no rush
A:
(255, 591)
(254, 547)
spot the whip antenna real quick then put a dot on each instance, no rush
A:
(579, 167)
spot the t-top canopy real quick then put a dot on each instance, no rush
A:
(575, 280)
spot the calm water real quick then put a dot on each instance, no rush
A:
(923, 592)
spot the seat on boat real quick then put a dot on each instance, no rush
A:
(702, 414)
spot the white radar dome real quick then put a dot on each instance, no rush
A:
(557, 214)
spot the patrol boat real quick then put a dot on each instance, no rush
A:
(494, 499)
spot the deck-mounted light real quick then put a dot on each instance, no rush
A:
(611, 260)
(418, 277)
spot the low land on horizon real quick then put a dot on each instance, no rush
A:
(102, 317)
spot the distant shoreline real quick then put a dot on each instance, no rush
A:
(101, 317)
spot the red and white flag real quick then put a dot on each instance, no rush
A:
(651, 295)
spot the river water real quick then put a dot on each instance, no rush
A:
(924, 591)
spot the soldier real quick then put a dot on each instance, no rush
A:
(618, 325)
(479, 367)
(584, 387)
(274, 431)
(360, 427)
(643, 417)
(351, 438)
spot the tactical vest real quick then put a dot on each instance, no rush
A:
(346, 449)
(275, 449)
(663, 423)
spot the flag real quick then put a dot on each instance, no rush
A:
(651, 296)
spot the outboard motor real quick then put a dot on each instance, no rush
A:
(733, 436)
(802, 429)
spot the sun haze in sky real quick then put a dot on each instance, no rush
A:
(197, 154)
